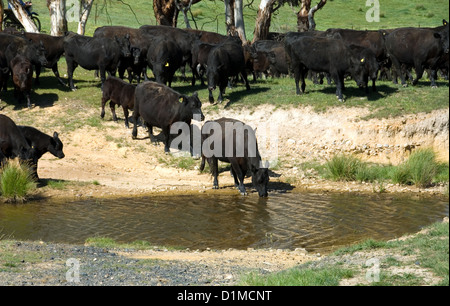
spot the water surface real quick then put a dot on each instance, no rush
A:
(317, 222)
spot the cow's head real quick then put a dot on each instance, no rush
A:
(193, 106)
(443, 36)
(260, 179)
(36, 53)
(56, 146)
(161, 70)
(213, 75)
(136, 53)
(124, 44)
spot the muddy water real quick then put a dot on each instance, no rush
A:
(317, 222)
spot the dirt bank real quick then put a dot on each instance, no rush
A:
(105, 161)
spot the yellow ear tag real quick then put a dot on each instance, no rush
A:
(167, 64)
(181, 100)
(362, 60)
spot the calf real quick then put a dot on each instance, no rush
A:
(161, 106)
(224, 61)
(41, 143)
(243, 155)
(322, 54)
(200, 52)
(94, 53)
(22, 72)
(12, 142)
(120, 93)
(133, 65)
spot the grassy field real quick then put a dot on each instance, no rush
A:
(209, 15)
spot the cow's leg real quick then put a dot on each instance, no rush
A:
(104, 100)
(27, 95)
(236, 182)
(433, 78)
(419, 72)
(166, 133)
(214, 166)
(244, 76)
(70, 70)
(339, 79)
(112, 106)
(125, 114)
(56, 73)
(303, 72)
(38, 72)
(398, 69)
(240, 176)
(102, 75)
(135, 122)
(211, 97)
(297, 79)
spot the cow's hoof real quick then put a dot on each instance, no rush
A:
(215, 187)
(244, 193)
(405, 85)
(434, 86)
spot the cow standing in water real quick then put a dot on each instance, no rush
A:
(243, 154)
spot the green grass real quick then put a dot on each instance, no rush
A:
(209, 15)
(428, 250)
(16, 181)
(420, 169)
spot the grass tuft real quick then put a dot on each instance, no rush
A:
(16, 181)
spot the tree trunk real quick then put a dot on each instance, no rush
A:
(86, 6)
(22, 16)
(305, 17)
(262, 24)
(239, 19)
(166, 12)
(58, 22)
(182, 7)
(229, 16)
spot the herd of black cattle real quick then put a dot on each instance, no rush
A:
(337, 53)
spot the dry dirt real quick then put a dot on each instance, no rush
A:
(118, 165)
(122, 166)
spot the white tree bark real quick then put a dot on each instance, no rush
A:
(58, 22)
(86, 6)
(22, 16)
(239, 19)
(229, 14)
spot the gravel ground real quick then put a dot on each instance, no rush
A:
(37, 263)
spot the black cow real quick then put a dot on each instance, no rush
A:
(94, 53)
(12, 45)
(22, 72)
(182, 38)
(243, 155)
(164, 58)
(161, 106)
(120, 93)
(42, 143)
(224, 61)
(137, 41)
(12, 142)
(133, 65)
(418, 48)
(200, 52)
(54, 49)
(322, 54)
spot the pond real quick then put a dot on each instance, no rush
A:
(316, 222)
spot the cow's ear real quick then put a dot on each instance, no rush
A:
(55, 135)
(195, 94)
(437, 35)
(444, 22)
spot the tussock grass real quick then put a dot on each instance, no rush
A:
(16, 181)
(421, 169)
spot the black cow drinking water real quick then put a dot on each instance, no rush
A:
(94, 53)
(243, 154)
(161, 106)
(41, 143)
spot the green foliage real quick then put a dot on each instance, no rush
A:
(16, 181)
